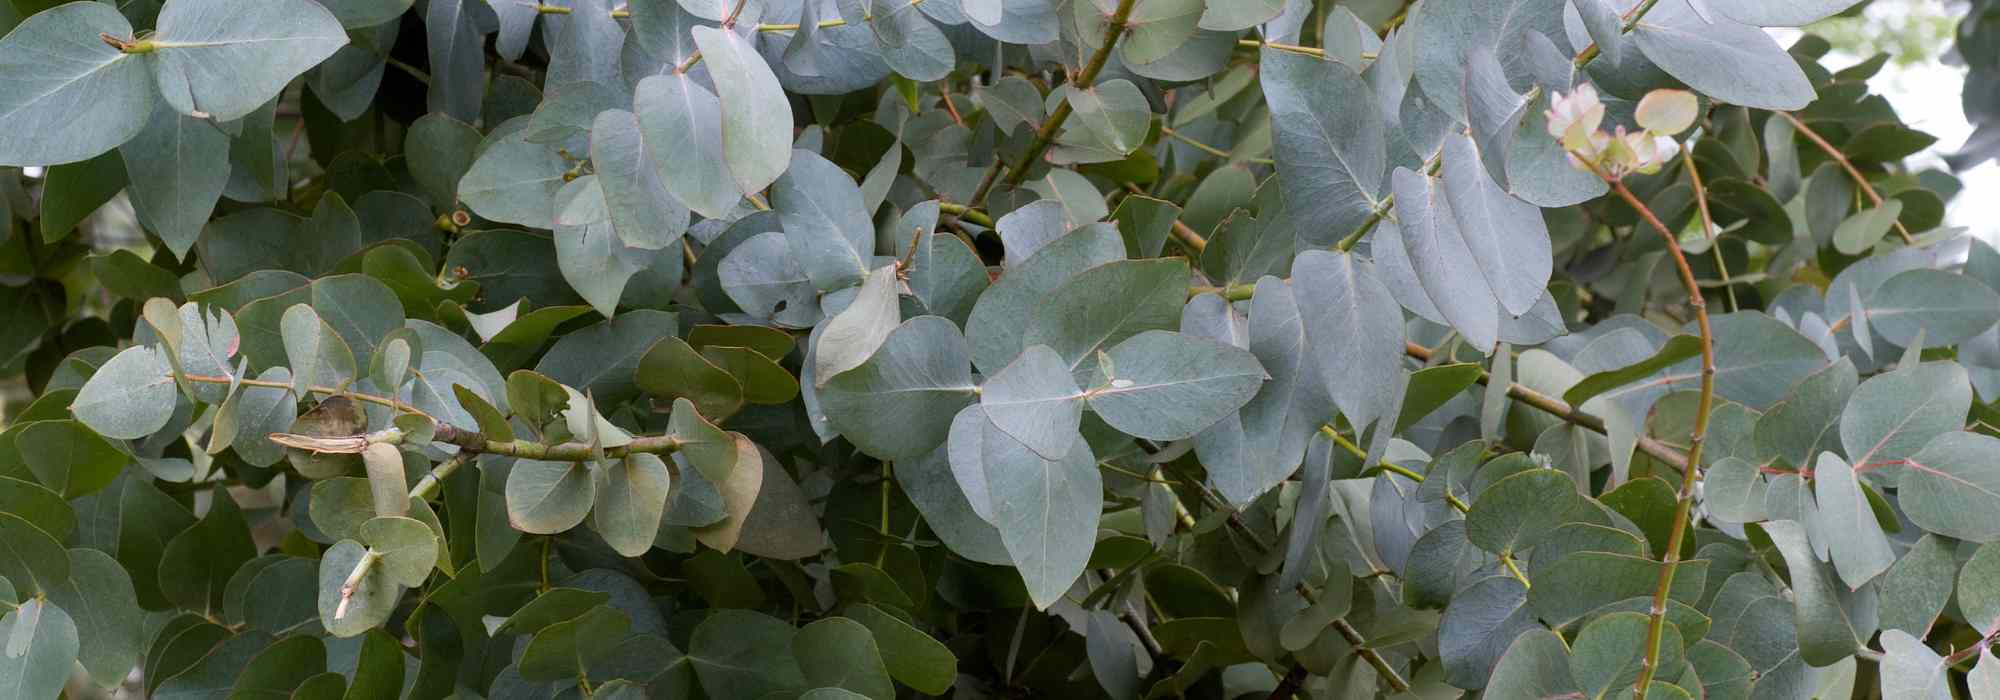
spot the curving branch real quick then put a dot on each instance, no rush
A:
(1853, 173)
(1691, 470)
(1114, 26)
(465, 439)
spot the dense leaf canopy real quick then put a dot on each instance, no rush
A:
(828, 349)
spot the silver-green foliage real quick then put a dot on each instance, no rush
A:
(1056, 348)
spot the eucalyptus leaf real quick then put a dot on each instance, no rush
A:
(225, 58)
(1168, 386)
(1731, 62)
(756, 129)
(899, 403)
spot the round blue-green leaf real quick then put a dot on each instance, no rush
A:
(633, 175)
(567, 649)
(317, 355)
(226, 58)
(545, 498)
(743, 654)
(1863, 230)
(588, 250)
(678, 116)
(1104, 305)
(854, 334)
(1912, 670)
(1789, 13)
(1608, 652)
(408, 548)
(41, 645)
(1331, 140)
(1163, 385)
(1859, 547)
(1481, 623)
(1979, 588)
(1517, 512)
(1725, 60)
(1893, 415)
(373, 599)
(43, 507)
(1952, 485)
(631, 497)
(438, 151)
(1947, 308)
(929, 482)
(900, 402)
(281, 667)
(130, 397)
(32, 561)
(68, 458)
(756, 115)
(1000, 318)
(70, 97)
(178, 169)
(514, 180)
(105, 609)
(284, 594)
(1036, 401)
(837, 652)
(1536, 665)
(767, 281)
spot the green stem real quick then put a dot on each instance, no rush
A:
(1507, 559)
(428, 486)
(560, 452)
(353, 582)
(1205, 148)
(328, 390)
(1388, 204)
(967, 213)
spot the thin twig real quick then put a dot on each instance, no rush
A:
(328, 390)
(1558, 408)
(1708, 221)
(1199, 146)
(1853, 173)
(944, 95)
(1383, 208)
(1342, 442)
(1449, 497)
(1589, 53)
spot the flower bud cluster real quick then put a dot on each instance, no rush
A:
(1577, 119)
